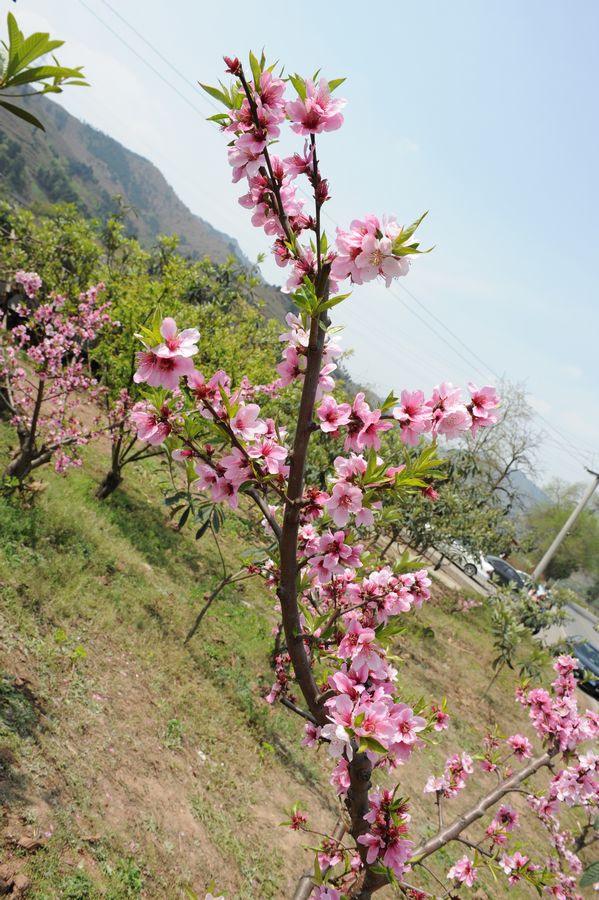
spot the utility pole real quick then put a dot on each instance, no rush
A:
(567, 527)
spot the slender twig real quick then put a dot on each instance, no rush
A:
(263, 506)
(446, 890)
(317, 204)
(205, 609)
(220, 552)
(35, 416)
(439, 809)
(273, 181)
(300, 712)
(476, 847)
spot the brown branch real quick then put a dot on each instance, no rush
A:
(300, 712)
(287, 591)
(35, 415)
(273, 181)
(454, 830)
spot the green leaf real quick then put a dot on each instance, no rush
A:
(15, 36)
(391, 400)
(180, 495)
(386, 632)
(317, 872)
(22, 114)
(299, 84)
(256, 70)
(370, 743)
(184, 518)
(411, 250)
(335, 83)
(591, 875)
(215, 92)
(406, 233)
(39, 73)
(202, 531)
(332, 301)
(33, 47)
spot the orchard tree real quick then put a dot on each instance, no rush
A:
(44, 376)
(339, 607)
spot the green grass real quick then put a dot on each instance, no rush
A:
(86, 587)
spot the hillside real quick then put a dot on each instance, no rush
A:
(74, 163)
(131, 764)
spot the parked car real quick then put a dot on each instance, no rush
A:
(588, 672)
(527, 580)
(472, 563)
(504, 573)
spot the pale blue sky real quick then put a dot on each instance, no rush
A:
(485, 114)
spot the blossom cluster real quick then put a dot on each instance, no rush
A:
(457, 768)
(257, 109)
(257, 448)
(29, 281)
(43, 366)
(555, 716)
(558, 723)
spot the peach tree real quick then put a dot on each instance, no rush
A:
(339, 608)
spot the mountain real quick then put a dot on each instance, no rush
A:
(74, 163)
(528, 493)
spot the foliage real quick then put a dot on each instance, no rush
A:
(21, 65)
(68, 251)
(580, 550)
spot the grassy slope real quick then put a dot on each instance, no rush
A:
(143, 764)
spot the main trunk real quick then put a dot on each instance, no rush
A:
(109, 484)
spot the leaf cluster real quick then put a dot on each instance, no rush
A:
(21, 66)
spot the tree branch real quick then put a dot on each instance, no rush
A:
(453, 831)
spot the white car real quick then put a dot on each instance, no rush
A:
(472, 563)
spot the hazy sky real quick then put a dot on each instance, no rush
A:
(485, 114)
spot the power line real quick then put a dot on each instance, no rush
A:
(139, 56)
(564, 441)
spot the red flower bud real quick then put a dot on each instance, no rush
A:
(233, 65)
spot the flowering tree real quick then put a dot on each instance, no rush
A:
(44, 375)
(339, 608)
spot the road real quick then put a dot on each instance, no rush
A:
(579, 623)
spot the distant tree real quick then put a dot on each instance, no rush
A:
(580, 550)
(492, 456)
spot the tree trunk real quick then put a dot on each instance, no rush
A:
(5, 407)
(20, 466)
(109, 484)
